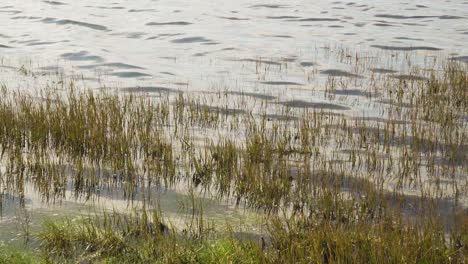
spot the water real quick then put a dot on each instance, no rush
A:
(268, 49)
(166, 41)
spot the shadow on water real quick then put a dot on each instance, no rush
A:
(81, 56)
(305, 104)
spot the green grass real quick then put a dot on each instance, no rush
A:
(139, 238)
(336, 188)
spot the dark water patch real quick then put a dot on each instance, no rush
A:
(111, 7)
(74, 23)
(315, 19)
(406, 38)
(359, 24)
(181, 83)
(170, 34)
(412, 48)
(381, 70)
(26, 17)
(141, 10)
(416, 17)
(135, 35)
(130, 74)
(283, 17)
(96, 15)
(131, 35)
(81, 56)
(14, 12)
(81, 24)
(5, 46)
(190, 40)
(353, 92)
(41, 43)
(168, 73)
(4, 36)
(384, 25)
(381, 120)
(271, 117)
(169, 58)
(54, 3)
(210, 43)
(11, 202)
(421, 6)
(460, 58)
(164, 35)
(408, 77)
(260, 61)
(450, 17)
(278, 36)
(305, 104)
(175, 23)
(49, 20)
(25, 41)
(336, 26)
(414, 24)
(224, 110)
(340, 73)
(282, 83)
(149, 89)
(403, 17)
(52, 68)
(288, 59)
(117, 65)
(269, 6)
(253, 95)
(201, 54)
(234, 18)
(308, 64)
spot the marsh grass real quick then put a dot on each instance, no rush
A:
(9, 254)
(335, 188)
(139, 238)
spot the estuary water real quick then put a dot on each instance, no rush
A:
(187, 44)
(284, 50)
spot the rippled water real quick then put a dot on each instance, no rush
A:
(264, 48)
(176, 42)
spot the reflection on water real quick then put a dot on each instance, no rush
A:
(282, 53)
(136, 35)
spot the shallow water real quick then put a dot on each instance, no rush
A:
(176, 204)
(259, 49)
(134, 41)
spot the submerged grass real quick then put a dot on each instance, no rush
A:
(335, 188)
(15, 255)
(135, 239)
